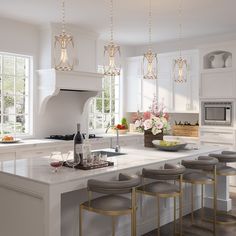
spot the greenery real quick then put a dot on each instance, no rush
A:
(124, 122)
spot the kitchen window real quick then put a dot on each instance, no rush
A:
(14, 94)
(105, 108)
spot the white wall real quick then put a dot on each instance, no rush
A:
(185, 44)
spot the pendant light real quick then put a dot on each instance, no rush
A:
(63, 47)
(150, 58)
(111, 52)
(180, 65)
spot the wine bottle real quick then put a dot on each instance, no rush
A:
(78, 141)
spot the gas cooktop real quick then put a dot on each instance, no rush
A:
(70, 136)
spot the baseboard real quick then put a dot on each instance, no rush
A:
(222, 204)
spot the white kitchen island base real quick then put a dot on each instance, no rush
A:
(37, 202)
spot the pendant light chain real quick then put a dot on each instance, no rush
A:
(111, 19)
(180, 25)
(150, 24)
(63, 17)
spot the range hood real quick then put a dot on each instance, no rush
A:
(51, 81)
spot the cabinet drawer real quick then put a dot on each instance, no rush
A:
(35, 153)
(227, 146)
(218, 137)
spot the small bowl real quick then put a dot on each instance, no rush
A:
(172, 148)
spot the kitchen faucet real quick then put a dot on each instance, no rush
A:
(117, 147)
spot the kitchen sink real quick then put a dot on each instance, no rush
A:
(110, 153)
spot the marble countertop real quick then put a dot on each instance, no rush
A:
(33, 143)
(38, 169)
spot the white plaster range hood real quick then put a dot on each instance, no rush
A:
(51, 81)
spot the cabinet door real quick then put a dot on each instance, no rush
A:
(218, 84)
(165, 90)
(133, 84)
(149, 90)
(134, 66)
(133, 94)
(182, 96)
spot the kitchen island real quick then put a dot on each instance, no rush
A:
(36, 201)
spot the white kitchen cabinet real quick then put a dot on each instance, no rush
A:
(133, 84)
(177, 97)
(148, 91)
(217, 74)
(218, 83)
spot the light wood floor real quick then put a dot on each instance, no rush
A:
(190, 230)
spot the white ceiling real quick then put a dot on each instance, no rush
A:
(201, 17)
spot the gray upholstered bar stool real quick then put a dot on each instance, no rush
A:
(164, 189)
(112, 204)
(201, 171)
(223, 170)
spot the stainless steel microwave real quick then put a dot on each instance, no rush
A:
(217, 113)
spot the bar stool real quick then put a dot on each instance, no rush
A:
(163, 189)
(112, 204)
(198, 173)
(223, 170)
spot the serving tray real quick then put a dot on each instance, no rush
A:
(91, 167)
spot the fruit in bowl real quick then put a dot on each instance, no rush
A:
(122, 129)
(7, 138)
(168, 143)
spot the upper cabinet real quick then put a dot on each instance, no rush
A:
(218, 70)
(177, 97)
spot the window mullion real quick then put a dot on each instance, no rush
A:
(14, 94)
(1, 95)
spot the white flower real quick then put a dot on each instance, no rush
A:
(147, 124)
(156, 120)
(155, 130)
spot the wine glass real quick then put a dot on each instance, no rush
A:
(56, 160)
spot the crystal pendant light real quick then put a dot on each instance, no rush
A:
(63, 47)
(180, 65)
(111, 52)
(150, 58)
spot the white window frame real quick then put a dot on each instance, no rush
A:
(117, 104)
(29, 100)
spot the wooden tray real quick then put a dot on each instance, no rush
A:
(91, 167)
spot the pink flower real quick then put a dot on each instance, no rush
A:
(146, 115)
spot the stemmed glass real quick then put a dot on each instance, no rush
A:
(70, 161)
(56, 160)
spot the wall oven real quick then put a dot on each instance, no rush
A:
(217, 113)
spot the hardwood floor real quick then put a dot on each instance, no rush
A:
(193, 230)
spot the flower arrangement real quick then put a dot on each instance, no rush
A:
(155, 119)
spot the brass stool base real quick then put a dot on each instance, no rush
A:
(222, 218)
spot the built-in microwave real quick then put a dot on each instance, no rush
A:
(217, 113)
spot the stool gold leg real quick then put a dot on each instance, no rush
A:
(80, 220)
(202, 204)
(133, 213)
(180, 214)
(113, 225)
(174, 215)
(158, 214)
(214, 201)
(192, 203)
